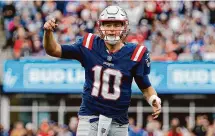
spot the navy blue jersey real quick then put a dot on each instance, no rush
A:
(108, 76)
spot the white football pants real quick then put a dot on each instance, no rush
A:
(85, 128)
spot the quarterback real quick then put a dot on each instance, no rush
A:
(110, 66)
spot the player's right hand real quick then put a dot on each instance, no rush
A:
(50, 25)
(156, 108)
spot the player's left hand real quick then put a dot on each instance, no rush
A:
(156, 108)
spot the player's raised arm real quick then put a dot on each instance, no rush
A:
(50, 44)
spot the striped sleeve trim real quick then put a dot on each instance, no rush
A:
(88, 40)
(138, 53)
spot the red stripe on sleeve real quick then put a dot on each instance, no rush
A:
(91, 42)
(141, 54)
(135, 52)
(85, 39)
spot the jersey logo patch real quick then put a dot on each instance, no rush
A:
(148, 60)
(109, 58)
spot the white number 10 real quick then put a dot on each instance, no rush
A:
(105, 78)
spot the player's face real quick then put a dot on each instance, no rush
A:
(112, 28)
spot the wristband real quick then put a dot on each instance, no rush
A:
(152, 98)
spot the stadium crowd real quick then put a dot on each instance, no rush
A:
(153, 128)
(171, 30)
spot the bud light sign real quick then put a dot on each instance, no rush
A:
(68, 77)
(43, 77)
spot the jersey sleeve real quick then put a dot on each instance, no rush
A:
(142, 71)
(72, 51)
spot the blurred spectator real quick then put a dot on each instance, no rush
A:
(30, 129)
(9, 11)
(136, 130)
(211, 6)
(44, 129)
(211, 129)
(157, 129)
(195, 48)
(22, 45)
(48, 7)
(134, 11)
(64, 131)
(73, 125)
(131, 128)
(140, 131)
(200, 128)
(3, 132)
(149, 118)
(38, 5)
(153, 128)
(12, 27)
(53, 128)
(150, 128)
(18, 130)
(175, 128)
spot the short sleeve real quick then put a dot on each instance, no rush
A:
(72, 51)
(143, 68)
(142, 71)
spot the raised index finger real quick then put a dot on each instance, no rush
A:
(53, 20)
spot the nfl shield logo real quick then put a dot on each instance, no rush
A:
(148, 60)
(109, 58)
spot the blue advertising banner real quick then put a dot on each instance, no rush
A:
(34, 76)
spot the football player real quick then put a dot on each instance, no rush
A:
(110, 65)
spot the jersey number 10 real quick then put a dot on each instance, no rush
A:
(103, 84)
